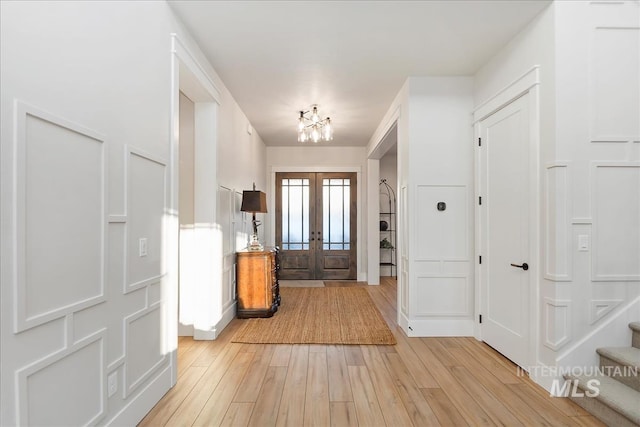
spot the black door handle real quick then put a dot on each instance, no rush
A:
(524, 266)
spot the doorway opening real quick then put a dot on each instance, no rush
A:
(387, 198)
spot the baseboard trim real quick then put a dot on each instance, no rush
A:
(216, 330)
(439, 327)
(227, 317)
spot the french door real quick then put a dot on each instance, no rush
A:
(316, 225)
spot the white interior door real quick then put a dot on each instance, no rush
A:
(504, 230)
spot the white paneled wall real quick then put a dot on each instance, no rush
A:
(434, 164)
(89, 213)
(589, 59)
(440, 241)
(598, 130)
(58, 164)
(236, 227)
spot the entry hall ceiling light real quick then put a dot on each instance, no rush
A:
(311, 128)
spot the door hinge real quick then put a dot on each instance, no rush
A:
(480, 259)
(479, 142)
(480, 318)
(480, 200)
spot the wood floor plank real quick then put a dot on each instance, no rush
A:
(343, 414)
(421, 373)
(339, 387)
(541, 405)
(238, 414)
(462, 400)
(393, 409)
(186, 414)
(439, 352)
(215, 347)
(316, 407)
(265, 411)
(353, 355)
(216, 407)
(498, 412)
(563, 404)
(174, 398)
(587, 421)
(281, 355)
(252, 381)
(190, 355)
(508, 374)
(317, 348)
(364, 397)
(518, 407)
(291, 412)
(444, 409)
(416, 405)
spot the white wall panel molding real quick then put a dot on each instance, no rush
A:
(557, 323)
(558, 262)
(511, 92)
(614, 87)
(450, 228)
(60, 216)
(600, 308)
(438, 296)
(582, 221)
(615, 206)
(117, 219)
(65, 387)
(116, 364)
(227, 217)
(140, 362)
(145, 211)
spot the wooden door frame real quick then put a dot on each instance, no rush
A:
(527, 84)
(361, 239)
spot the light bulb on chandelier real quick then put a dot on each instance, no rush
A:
(312, 128)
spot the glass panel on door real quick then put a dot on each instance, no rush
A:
(336, 203)
(295, 214)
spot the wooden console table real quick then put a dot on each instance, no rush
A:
(257, 284)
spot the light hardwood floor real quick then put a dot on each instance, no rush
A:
(419, 382)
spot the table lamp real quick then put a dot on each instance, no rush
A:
(254, 201)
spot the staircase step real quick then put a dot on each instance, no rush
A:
(615, 404)
(621, 363)
(635, 337)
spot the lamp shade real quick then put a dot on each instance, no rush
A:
(254, 201)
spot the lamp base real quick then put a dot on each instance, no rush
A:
(255, 244)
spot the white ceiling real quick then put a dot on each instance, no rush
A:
(349, 57)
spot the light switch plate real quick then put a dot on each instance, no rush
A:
(112, 384)
(583, 242)
(143, 246)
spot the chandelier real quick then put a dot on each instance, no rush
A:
(310, 127)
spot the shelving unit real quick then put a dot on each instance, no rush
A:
(388, 240)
